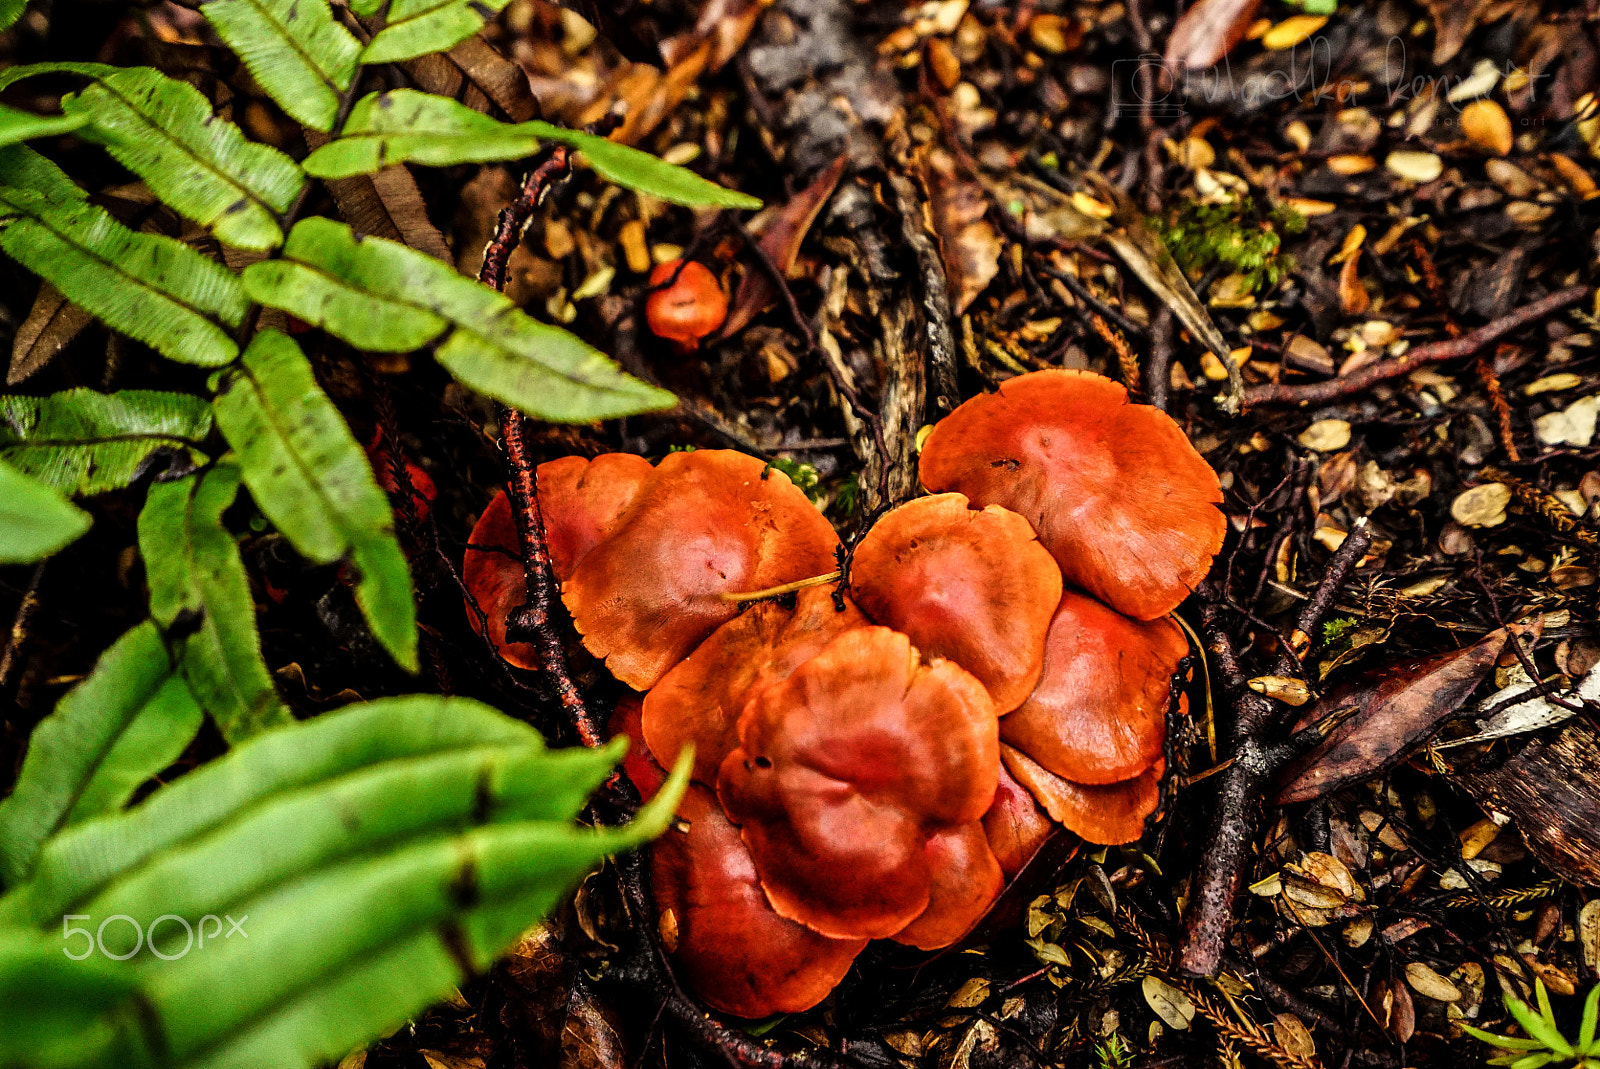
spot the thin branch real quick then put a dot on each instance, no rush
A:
(1317, 393)
(1257, 756)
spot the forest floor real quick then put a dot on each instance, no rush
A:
(1386, 219)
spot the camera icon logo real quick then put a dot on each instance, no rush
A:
(1146, 85)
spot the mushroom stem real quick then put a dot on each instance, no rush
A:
(777, 591)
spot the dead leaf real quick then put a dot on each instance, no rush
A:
(1481, 506)
(1453, 23)
(1208, 31)
(1293, 1036)
(968, 242)
(474, 73)
(1175, 1009)
(51, 324)
(1398, 1012)
(1534, 713)
(1426, 981)
(725, 23)
(782, 232)
(386, 205)
(1397, 708)
(1353, 296)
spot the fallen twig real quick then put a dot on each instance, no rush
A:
(1258, 755)
(1316, 393)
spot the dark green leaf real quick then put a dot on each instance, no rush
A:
(10, 12)
(416, 27)
(633, 169)
(130, 719)
(35, 521)
(381, 296)
(311, 478)
(18, 126)
(202, 167)
(83, 443)
(200, 596)
(151, 288)
(295, 50)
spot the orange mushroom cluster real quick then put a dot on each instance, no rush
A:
(878, 765)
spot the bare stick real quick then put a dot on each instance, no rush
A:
(1257, 756)
(1317, 393)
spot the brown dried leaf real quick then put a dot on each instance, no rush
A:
(1353, 296)
(479, 77)
(1397, 708)
(968, 242)
(725, 23)
(386, 205)
(1208, 31)
(782, 232)
(1453, 23)
(51, 324)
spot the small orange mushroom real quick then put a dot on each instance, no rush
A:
(730, 947)
(704, 523)
(690, 308)
(1099, 713)
(976, 587)
(1112, 814)
(1115, 491)
(700, 700)
(845, 770)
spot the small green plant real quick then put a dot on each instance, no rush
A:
(1233, 235)
(1544, 1043)
(1113, 1053)
(1338, 627)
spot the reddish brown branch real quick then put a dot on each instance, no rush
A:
(532, 623)
(1258, 753)
(1317, 393)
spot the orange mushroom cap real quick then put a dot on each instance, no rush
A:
(1115, 490)
(731, 949)
(581, 500)
(1099, 713)
(845, 769)
(704, 523)
(699, 701)
(492, 573)
(975, 587)
(1111, 814)
(966, 881)
(1015, 825)
(690, 308)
